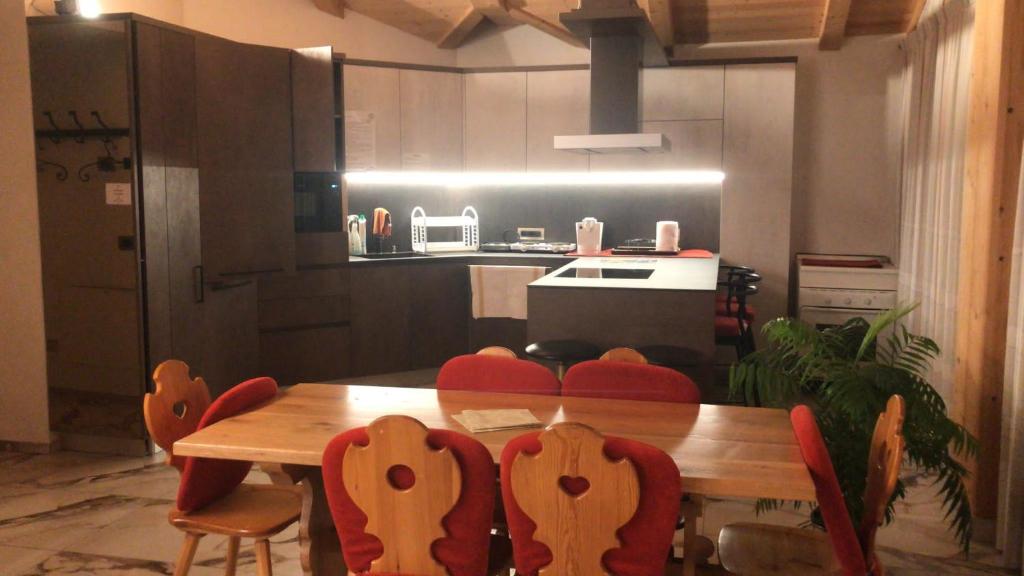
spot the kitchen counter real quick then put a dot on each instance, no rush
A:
(468, 256)
(667, 273)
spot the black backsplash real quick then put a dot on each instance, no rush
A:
(627, 212)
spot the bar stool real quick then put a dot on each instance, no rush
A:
(563, 352)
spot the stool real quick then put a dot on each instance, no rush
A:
(563, 352)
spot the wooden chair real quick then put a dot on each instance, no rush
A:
(496, 373)
(629, 381)
(580, 503)
(409, 500)
(499, 351)
(211, 496)
(762, 550)
(624, 355)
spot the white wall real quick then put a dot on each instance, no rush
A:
(23, 403)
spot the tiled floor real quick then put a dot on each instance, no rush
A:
(70, 513)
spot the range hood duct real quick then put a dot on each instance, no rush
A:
(621, 41)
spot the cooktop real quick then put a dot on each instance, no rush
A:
(612, 273)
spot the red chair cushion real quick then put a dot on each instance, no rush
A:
(496, 374)
(629, 381)
(830, 497)
(725, 308)
(464, 551)
(206, 480)
(727, 327)
(645, 539)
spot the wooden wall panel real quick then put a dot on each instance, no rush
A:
(682, 93)
(495, 122)
(557, 103)
(375, 90)
(758, 166)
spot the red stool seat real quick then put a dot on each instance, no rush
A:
(728, 327)
(724, 308)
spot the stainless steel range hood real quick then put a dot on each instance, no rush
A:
(621, 41)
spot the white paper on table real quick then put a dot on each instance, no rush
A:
(492, 420)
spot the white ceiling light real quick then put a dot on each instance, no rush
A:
(507, 179)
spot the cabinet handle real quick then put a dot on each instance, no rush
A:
(218, 285)
(198, 290)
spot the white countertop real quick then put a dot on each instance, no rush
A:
(669, 274)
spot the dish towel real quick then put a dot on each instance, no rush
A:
(500, 291)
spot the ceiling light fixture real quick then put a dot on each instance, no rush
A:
(520, 179)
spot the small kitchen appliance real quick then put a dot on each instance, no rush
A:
(836, 288)
(588, 237)
(667, 238)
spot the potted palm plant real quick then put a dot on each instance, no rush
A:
(846, 373)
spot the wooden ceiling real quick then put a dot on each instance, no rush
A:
(449, 22)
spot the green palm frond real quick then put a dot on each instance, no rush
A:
(846, 374)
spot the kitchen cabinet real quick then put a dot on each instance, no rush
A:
(312, 78)
(557, 103)
(495, 124)
(431, 113)
(380, 319)
(372, 94)
(682, 93)
(758, 163)
(439, 313)
(244, 130)
(304, 326)
(693, 145)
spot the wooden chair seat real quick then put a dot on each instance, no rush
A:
(251, 511)
(749, 549)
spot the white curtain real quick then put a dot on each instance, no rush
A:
(935, 97)
(1010, 534)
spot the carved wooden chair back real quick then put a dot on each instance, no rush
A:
(884, 461)
(624, 355)
(497, 351)
(173, 410)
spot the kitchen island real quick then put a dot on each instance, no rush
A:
(627, 301)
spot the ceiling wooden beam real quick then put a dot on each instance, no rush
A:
(332, 7)
(833, 24)
(659, 12)
(915, 15)
(462, 28)
(496, 11)
(995, 136)
(524, 17)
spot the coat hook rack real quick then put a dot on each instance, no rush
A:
(80, 133)
(62, 172)
(104, 164)
(55, 137)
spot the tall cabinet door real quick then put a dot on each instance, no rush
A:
(165, 61)
(243, 121)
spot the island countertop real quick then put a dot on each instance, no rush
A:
(691, 274)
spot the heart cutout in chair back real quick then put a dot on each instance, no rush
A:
(574, 485)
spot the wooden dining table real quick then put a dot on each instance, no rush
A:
(721, 451)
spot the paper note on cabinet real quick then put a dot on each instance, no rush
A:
(360, 140)
(119, 193)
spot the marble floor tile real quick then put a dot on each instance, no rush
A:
(63, 526)
(70, 563)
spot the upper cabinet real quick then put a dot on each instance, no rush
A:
(313, 109)
(244, 126)
(431, 113)
(373, 129)
(682, 93)
(557, 103)
(496, 121)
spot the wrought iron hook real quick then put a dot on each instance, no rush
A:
(53, 123)
(74, 117)
(62, 172)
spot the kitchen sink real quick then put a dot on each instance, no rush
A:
(390, 255)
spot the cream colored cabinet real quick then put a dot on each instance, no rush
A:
(431, 118)
(682, 93)
(495, 121)
(557, 103)
(372, 102)
(758, 166)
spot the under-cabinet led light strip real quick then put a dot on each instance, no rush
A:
(469, 179)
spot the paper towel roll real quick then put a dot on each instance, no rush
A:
(667, 239)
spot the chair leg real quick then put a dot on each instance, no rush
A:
(231, 560)
(263, 567)
(187, 553)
